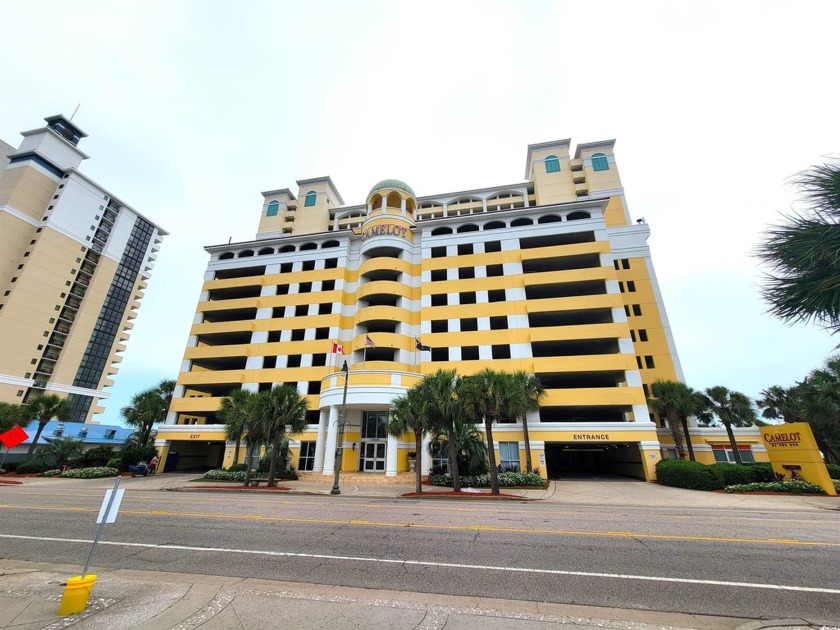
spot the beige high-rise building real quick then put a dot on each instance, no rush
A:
(74, 262)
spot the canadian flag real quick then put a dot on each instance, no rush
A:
(337, 348)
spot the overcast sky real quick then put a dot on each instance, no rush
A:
(194, 108)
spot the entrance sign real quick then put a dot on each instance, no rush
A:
(383, 230)
(794, 454)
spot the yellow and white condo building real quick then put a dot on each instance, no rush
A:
(549, 275)
(74, 263)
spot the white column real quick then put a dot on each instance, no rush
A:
(391, 457)
(329, 451)
(320, 444)
(425, 458)
(384, 205)
(402, 206)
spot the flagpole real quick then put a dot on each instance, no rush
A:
(364, 359)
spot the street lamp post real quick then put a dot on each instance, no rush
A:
(342, 422)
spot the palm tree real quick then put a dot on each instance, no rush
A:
(61, 450)
(780, 402)
(819, 397)
(275, 409)
(148, 408)
(804, 284)
(676, 401)
(234, 411)
(444, 409)
(534, 391)
(45, 408)
(489, 396)
(408, 413)
(469, 445)
(731, 408)
(11, 415)
(254, 439)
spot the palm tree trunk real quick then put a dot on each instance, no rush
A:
(418, 449)
(453, 460)
(236, 451)
(272, 465)
(491, 453)
(32, 446)
(676, 434)
(732, 442)
(249, 449)
(687, 439)
(528, 467)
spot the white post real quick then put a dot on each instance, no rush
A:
(320, 444)
(391, 457)
(329, 451)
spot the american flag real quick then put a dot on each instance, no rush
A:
(369, 342)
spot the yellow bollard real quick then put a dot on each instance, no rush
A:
(76, 594)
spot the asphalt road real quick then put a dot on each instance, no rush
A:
(740, 563)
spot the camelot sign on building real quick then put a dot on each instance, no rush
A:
(794, 453)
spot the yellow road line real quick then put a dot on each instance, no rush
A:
(471, 528)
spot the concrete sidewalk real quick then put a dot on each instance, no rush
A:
(612, 492)
(30, 594)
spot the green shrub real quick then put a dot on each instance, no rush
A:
(762, 471)
(239, 475)
(836, 485)
(114, 462)
(833, 470)
(91, 473)
(787, 487)
(130, 455)
(11, 466)
(506, 480)
(50, 473)
(2, 471)
(680, 473)
(97, 456)
(237, 468)
(733, 474)
(34, 465)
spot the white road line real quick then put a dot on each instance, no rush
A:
(446, 565)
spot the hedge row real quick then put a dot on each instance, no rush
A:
(239, 475)
(506, 480)
(90, 473)
(833, 470)
(787, 487)
(680, 473)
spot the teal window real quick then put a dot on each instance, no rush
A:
(599, 162)
(311, 196)
(552, 164)
(273, 207)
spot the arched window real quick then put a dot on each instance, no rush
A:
(574, 216)
(307, 246)
(494, 225)
(273, 207)
(266, 251)
(311, 196)
(548, 218)
(469, 227)
(599, 162)
(329, 244)
(552, 164)
(286, 249)
(518, 222)
(441, 230)
(246, 253)
(225, 255)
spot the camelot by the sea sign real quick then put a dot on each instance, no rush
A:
(794, 453)
(388, 229)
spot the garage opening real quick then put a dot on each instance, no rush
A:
(565, 460)
(194, 455)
